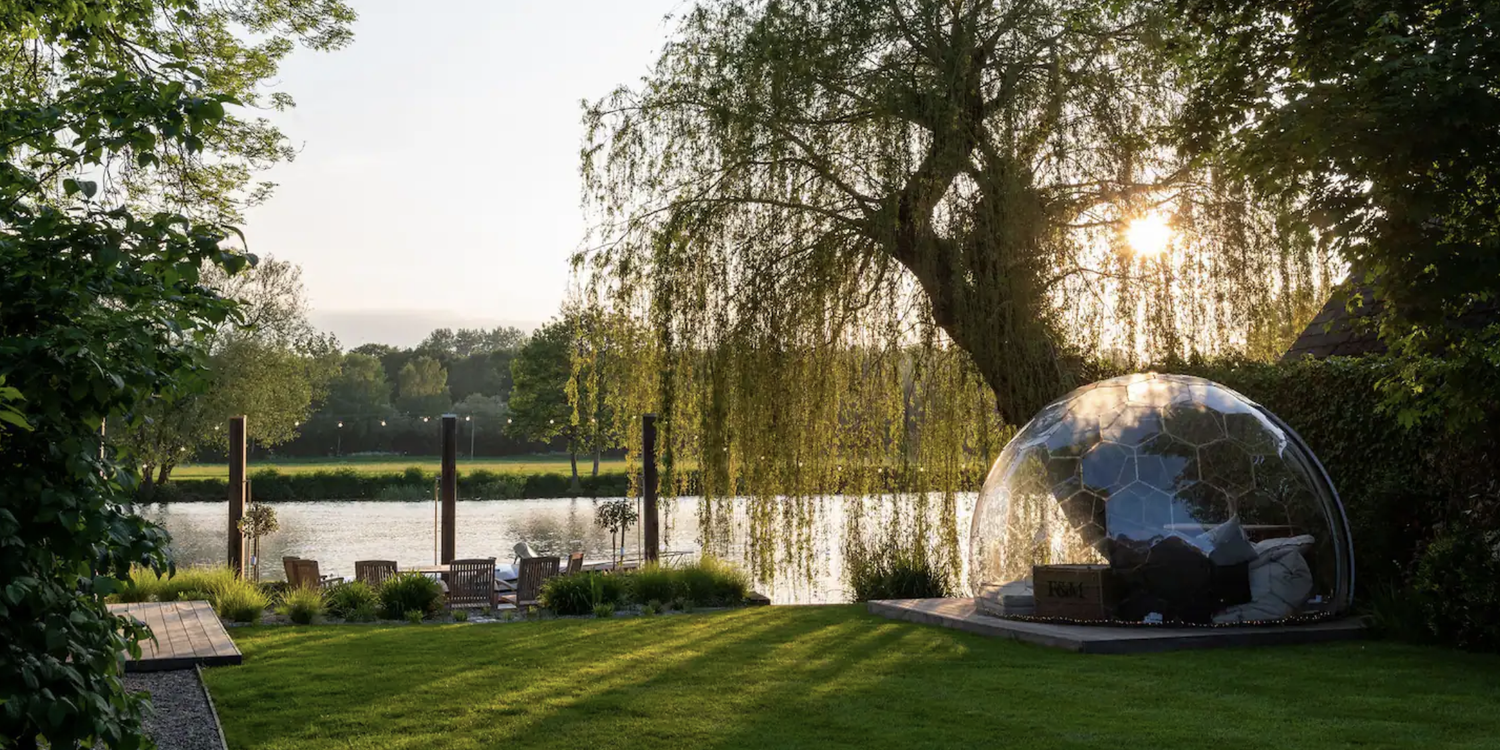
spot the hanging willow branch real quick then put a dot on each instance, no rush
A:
(847, 241)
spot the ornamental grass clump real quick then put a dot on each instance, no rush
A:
(410, 592)
(302, 605)
(712, 582)
(185, 584)
(897, 574)
(142, 586)
(188, 583)
(653, 582)
(240, 601)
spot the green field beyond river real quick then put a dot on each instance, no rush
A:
(540, 463)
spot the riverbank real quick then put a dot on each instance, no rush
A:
(409, 484)
(414, 483)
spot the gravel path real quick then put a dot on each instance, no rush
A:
(181, 717)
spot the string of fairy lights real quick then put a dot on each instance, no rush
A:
(1307, 619)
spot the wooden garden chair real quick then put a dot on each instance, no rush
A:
(534, 570)
(304, 574)
(374, 572)
(575, 563)
(471, 583)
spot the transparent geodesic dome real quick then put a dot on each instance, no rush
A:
(1198, 504)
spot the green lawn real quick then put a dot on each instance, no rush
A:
(531, 464)
(827, 677)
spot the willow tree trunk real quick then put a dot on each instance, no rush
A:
(577, 486)
(988, 286)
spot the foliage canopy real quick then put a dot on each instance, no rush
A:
(1380, 120)
(122, 154)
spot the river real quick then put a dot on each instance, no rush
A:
(336, 533)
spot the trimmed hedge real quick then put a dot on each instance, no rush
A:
(1400, 486)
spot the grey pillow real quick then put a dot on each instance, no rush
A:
(1227, 543)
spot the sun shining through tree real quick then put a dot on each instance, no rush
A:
(1149, 235)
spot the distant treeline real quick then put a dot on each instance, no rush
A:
(388, 400)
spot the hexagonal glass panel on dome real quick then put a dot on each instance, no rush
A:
(1196, 503)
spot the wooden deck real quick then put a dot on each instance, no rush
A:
(187, 634)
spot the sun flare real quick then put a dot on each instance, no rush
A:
(1149, 235)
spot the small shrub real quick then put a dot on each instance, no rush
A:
(578, 593)
(301, 605)
(653, 582)
(711, 582)
(681, 604)
(1395, 612)
(194, 596)
(604, 609)
(461, 615)
(1457, 586)
(343, 598)
(240, 601)
(274, 589)
(410, 591)
(570, 594)
(896, 574)
(363, 613)
(414, 616)
(648, 610)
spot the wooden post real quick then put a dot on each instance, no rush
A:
(650, 523)
(236, 494)
(449, 488)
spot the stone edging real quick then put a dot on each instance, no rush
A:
(212, 710)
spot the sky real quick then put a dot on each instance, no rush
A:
(437, 177)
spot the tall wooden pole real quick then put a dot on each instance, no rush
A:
(449, 486)
(236, 494)
(650, 523)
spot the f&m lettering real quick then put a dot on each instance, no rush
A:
(1065, 589)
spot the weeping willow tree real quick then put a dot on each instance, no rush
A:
(849, 240)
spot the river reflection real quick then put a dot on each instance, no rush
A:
(336, 533)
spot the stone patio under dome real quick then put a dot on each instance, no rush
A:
(960, 614)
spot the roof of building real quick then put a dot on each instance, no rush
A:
(1335, 332)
